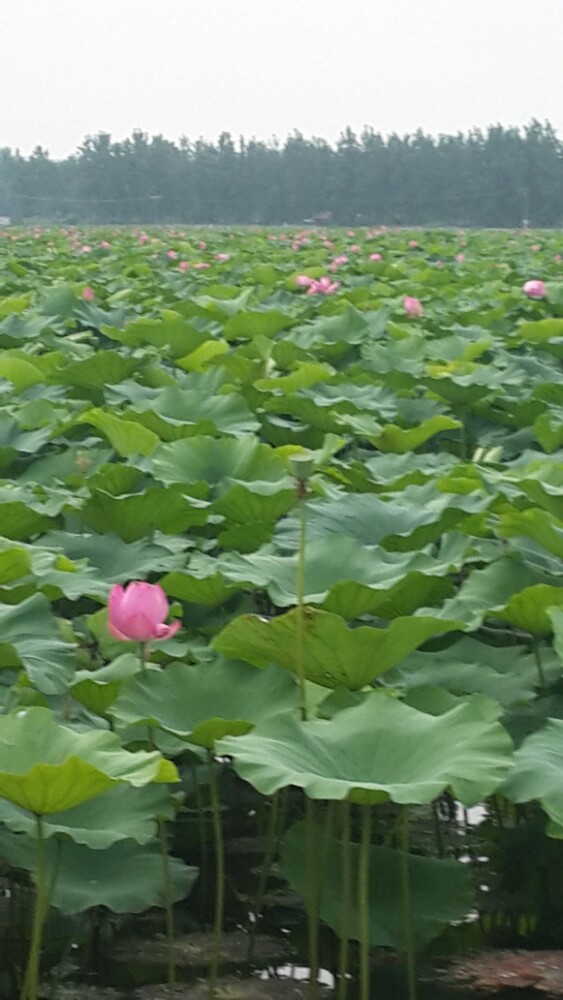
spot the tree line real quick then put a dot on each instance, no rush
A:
(496, 177)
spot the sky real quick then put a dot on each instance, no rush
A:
(261, 68)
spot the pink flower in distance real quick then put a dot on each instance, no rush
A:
(375, 256)
(222, 256)
(534, 289)
(354, 248)
(324, 286)
(202, 245)
(172, 254)
(413, 243)
(557, 258)
(184, 265)
(86, 249)
(88, 294)
(201, 265)
(460, 257)
(535, 247)
(104, 245)
(303, 280)
(412, 306)
(136, 613)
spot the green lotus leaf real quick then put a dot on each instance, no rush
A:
(122, 813)
(48, 768)
(136, 515)
(421, 516)
(249, 324)
(125, 877)
(506, 589)
(536, 524)
(376, 751)
(30, 638)
(340, 570)
(208, 460)
(126, 436)
(116, 561)
(205, 702)
(98, 689)
(509, 675)
(171, 334)
(537, 771)
(100, 369)
(440, 891)
(397, 439)
(333, 654)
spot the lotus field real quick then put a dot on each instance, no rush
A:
(281, 563)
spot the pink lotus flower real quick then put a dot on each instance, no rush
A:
(202, 245)
(183, 265)
(535, 247)
(136, 613)
(172, 254)
(460, 257)
(303, 280)
(535, 289)
(557, 258)
(375, 256)
(201, 265)
(324, 286)
(86, 249)
(104, 245)
(412, 306)
(413, 243)
(222, 256)
(354, 248)
(88, 294)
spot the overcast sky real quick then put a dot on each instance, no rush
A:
(265, 67)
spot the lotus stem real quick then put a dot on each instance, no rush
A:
(406, 898)
(539, 665)
(272, 836)
(31, 979)
(300, 590)
(203, 868)
(169, 904)
(219, 879)
(363, 902)
(345, 874)
(312, 898)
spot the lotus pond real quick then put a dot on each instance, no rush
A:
(329, 738)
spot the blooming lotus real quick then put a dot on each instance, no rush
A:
(375, 256)
(324, 286)
(88, 294)
(535, 289)
(137, 612)
(412, 306)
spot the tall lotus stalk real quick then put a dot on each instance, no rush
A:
(406, 900)
(301, 467)
(219, 878)
(271, 847)
(137, 613)
(363, 901)
(31, 979)
(345, 900)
